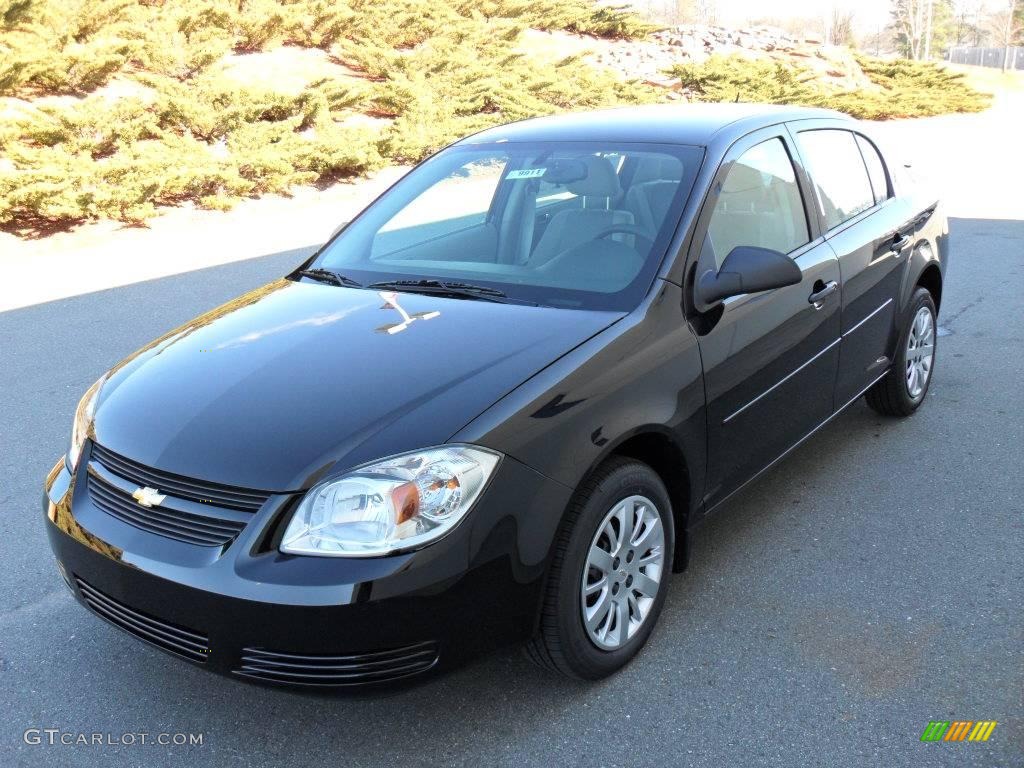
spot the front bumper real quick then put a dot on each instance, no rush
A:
(248, 611)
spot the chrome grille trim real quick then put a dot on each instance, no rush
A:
(337, 670)
(164, 521)
(217, 494)
(176, 639)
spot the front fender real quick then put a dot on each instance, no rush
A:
(641, 374)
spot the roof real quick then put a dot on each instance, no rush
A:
(692, 124)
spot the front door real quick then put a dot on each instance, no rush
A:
(770, 358)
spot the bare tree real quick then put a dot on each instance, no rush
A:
(841, 27)
(929, 16)
(879, 41)
(706, 11)
(908, 17)
(1004, 28)
(966, 29)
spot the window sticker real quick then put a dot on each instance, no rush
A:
(526, 173)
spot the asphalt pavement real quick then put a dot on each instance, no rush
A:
(870, 583)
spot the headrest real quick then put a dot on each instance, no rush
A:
(743, 178)
(743, 191)
(657, 168)
(600, 181)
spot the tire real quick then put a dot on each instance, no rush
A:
(562, 642)
(894, 395)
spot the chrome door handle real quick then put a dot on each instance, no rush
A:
(821, 292)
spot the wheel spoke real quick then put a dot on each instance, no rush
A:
(645, 585)
(597, 586)
(600, 559)
(599, 612)
(618, 534)
(652, 556)
(638, 517)
(633, 606)
(621, 622)
(649, 534)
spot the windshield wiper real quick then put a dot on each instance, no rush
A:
(446, 288)
(328, 276)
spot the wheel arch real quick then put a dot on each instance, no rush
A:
(931, 279)
(657, 447)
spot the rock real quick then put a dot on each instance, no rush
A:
(664, 81)
(647, 60)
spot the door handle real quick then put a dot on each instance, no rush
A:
(899, 243)
(821, 292)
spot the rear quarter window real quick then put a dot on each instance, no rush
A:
(876, 169)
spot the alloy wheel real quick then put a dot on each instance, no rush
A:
(623, 572)
(920, 352)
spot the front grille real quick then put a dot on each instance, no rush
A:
(172, 523)
(219, 495)
(337, 671)
(179, 640)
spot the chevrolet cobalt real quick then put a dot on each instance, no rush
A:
(495, 405)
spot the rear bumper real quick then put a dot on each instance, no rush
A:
(309, 622)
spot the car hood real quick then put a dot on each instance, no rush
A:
(293, 381)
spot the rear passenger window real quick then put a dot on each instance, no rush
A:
(759, 204)
(876, 169)
(839, 174)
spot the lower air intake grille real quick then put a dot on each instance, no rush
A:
(178, 640)
(337, 671)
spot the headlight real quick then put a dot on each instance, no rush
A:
(398, 503)
(83, 418)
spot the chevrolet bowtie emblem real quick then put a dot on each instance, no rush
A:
(147, 496)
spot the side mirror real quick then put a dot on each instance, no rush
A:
(337, 229)
(748, 269)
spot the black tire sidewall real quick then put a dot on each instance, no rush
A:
(629, 479)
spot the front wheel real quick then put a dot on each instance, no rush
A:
(902, 390)
(609, 573)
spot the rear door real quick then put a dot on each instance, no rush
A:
(769, 358)
(871, 232)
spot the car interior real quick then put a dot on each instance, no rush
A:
(578, 219)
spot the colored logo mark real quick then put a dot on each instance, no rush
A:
(958, 730)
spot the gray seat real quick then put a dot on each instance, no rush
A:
(742, 214)
(649, 202)
(570, 228)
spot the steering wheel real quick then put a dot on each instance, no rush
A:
(629, 229)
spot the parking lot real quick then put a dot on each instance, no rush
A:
(872, 582)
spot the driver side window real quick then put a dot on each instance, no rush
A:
(759, 204)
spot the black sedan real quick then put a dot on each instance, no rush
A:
(495, 405)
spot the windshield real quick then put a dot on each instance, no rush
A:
(576, 225)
